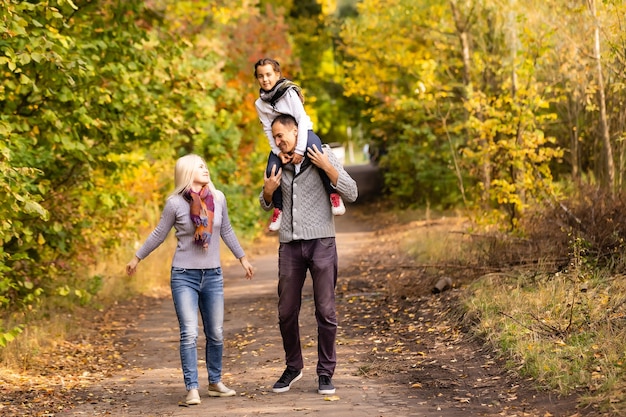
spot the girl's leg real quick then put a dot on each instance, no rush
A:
(185, 285)
(274, 161)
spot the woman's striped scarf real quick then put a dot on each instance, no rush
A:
(202, 209)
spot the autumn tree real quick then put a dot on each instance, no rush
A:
(74, 93)
(92, 90)
(479, 118)
(398, 58)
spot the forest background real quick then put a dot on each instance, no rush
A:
(509, 111)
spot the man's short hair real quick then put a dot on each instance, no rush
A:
(285, 120)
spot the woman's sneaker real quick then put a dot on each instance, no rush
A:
(193, 398)
(277, 216)
(337, 203)
(220, 390)
(288, 377)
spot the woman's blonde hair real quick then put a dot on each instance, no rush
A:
(183, 174)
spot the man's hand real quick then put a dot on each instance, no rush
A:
(271, 183)
(320, 160)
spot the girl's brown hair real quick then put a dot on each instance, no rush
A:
(267, 61)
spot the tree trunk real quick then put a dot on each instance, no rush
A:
(462, 30)
(604, 124)
(573, 117)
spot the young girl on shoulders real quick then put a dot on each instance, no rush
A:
(279, 95)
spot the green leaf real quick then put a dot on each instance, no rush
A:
(24, 79)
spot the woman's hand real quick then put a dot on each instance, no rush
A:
(247, 266)
(131, 267)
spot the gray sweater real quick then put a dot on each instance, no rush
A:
(307, 213)
(189, 255)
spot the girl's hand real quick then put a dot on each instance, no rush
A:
(285, 158)
(296, 158)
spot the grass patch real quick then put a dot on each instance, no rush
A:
(438, 242)
(549, 297)
(60, 316)
(568, 334)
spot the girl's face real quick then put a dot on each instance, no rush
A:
(267, 77)
(201, 176)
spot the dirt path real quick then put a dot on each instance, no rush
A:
(423, 368)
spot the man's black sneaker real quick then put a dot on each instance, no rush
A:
(290, 376)
(326, 386)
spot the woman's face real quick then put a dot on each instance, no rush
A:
(267, 77)
(201, 176)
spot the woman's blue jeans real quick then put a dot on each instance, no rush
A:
(202, 289)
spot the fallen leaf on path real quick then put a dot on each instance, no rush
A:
(331, 398)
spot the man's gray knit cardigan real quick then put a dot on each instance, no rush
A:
(307, 212)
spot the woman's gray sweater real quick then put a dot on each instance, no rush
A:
(189, 255)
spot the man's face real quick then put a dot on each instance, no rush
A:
(285, 137)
